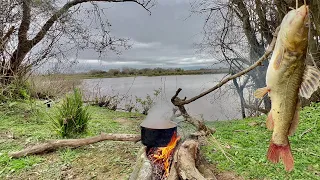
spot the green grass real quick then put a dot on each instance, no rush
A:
(25, 124)
(246, 142)
(9, 165)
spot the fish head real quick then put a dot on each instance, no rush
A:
(294, 28)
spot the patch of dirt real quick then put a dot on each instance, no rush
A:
(228, 176)
(252, 124)
(221, 175)
(110, 161)
(7, 135)
(123, 121)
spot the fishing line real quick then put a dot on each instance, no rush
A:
(310, 37)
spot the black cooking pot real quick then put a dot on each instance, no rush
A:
(157, 137)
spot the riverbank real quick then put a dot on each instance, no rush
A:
(116, 73)
(244, 141)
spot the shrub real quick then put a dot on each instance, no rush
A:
(51, 86)
(72, 116)
(18, 89)
(148, 102)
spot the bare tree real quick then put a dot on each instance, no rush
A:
(32, 32)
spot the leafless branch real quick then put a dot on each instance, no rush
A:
(25, 22)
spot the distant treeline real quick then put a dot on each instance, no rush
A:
(151, 72)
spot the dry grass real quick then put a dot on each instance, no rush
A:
(51, 86)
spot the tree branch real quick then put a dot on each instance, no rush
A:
(8, 34)
(45, 28)
(249, 32)
(178, 102)
(3, 40)
(265, 30)
(256, 108)
(25, 22)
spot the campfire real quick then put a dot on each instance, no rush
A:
(161, 158)
(160, 138)
(168, 156)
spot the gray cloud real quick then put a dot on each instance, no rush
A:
(166, 38)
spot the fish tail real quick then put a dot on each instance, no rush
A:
(277, 152)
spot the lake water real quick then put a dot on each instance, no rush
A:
(222, 104)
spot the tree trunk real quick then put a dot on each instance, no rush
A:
(242, 100)
(259, 74)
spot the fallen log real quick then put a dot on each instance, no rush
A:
(73, 143)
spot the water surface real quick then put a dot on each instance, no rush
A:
(222, 104)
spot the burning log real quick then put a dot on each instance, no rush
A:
(55, 144)
(161, 158)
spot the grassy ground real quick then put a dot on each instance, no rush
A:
(24, 124)
(246, 142)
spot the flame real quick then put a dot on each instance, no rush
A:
(164, 153)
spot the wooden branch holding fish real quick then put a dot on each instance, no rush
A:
(195, 122)
(223, 82)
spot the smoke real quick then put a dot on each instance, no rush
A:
(159, 116)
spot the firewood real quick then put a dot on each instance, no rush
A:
(55, 144)
(173, 175)
(142, 169)
(187, 155)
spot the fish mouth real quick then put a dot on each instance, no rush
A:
(303, 11)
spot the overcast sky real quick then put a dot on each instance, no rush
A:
(164, 39)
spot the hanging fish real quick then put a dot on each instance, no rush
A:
(287, 77)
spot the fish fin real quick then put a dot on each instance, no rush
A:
(278, 58)
(277, 152)
(311, 82)
(259, 93)
(270, 122)
(295, 121)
